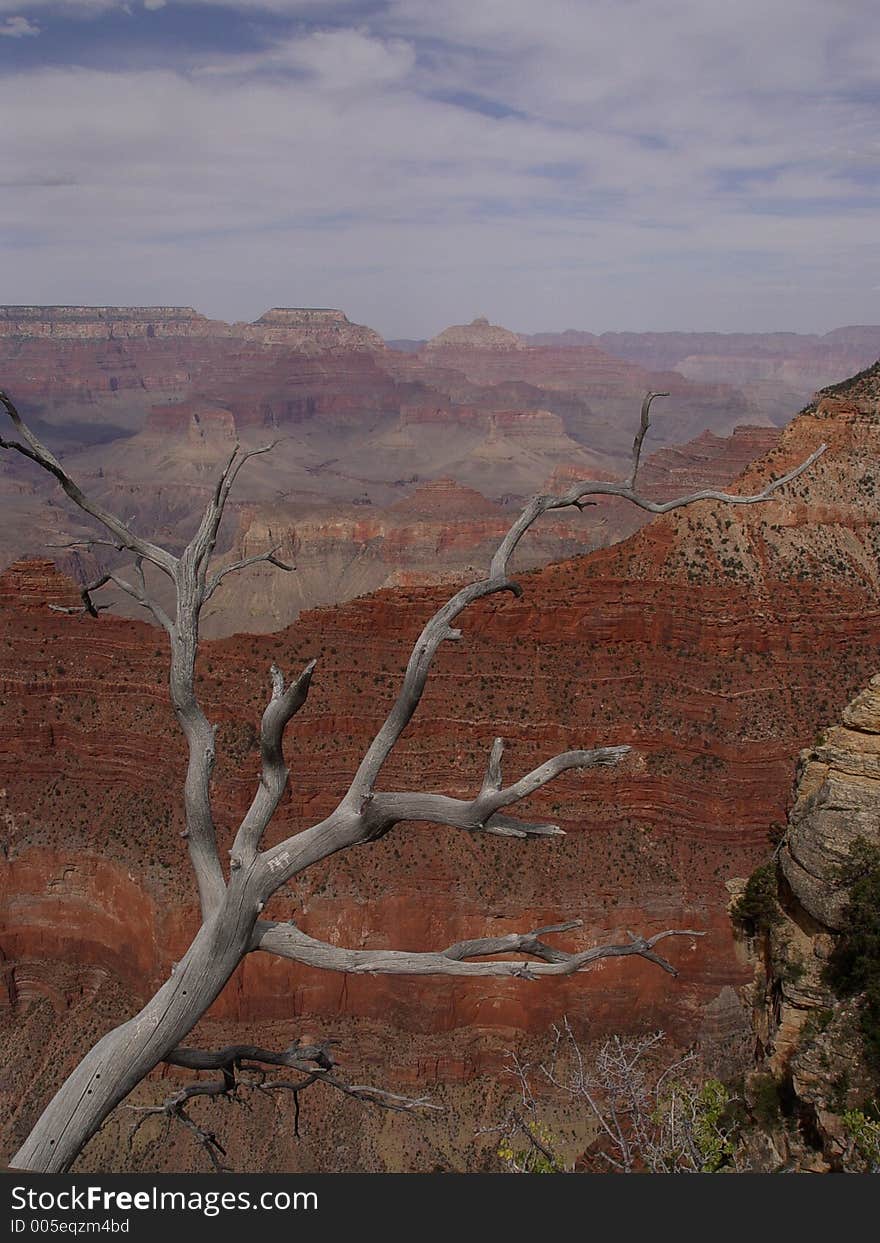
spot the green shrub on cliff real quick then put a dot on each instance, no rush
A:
(757, 908)
(854, 966)
(863, 1132)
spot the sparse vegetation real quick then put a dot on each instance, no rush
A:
(649, 1113)
(863, 1131)
(766, 1101)
(854, 966)
(757, 908)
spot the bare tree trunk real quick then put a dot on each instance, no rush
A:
(125, 1055)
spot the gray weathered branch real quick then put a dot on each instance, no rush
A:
(435, 632)
(137, 594)
(37, 452)
(242, 1068)
(439, 627)
(234, 1057)
(378, 813)
(288, 941)
(268, 556)
(483, 813)
(283, 705)
(541, 504)
(89, 542)
(364, 813)
(644, 424)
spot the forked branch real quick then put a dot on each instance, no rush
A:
(189, 573)
(268, 557)
(439, 628)
(483, 813)
(244, 1069)
(364, 813)
(34, 449)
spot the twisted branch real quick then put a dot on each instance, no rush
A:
(644, 424)
(283, 705)
(243, 1069)
(288, 941)
(482, 814)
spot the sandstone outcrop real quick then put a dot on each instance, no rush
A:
(809, 1039)
(838, 801)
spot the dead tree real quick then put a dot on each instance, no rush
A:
(232, 899)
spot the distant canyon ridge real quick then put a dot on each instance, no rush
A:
(397, 463)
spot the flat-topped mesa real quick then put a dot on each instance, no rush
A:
(477, 335)
(103, 323)
(310, 330)
(313, 330)
(445, 500)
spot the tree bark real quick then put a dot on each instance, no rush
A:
(125, 1055)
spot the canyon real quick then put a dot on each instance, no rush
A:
(715, 641)
(143, 403)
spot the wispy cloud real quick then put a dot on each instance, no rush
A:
(587, 163)
(18, 28)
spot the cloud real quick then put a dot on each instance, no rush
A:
(321, 9)
(71, 7)
(345, 59)
(18, 28)
(581, 163)
(351, 59)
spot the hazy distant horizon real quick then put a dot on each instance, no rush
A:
(631, 164)
(410, 336)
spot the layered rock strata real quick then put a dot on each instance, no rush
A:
(715, 642)
(809, 1039)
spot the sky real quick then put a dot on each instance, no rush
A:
(593, 164)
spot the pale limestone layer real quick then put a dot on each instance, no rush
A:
(838, 801)
(306, 329)
(807, 1033)
(90, 323)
